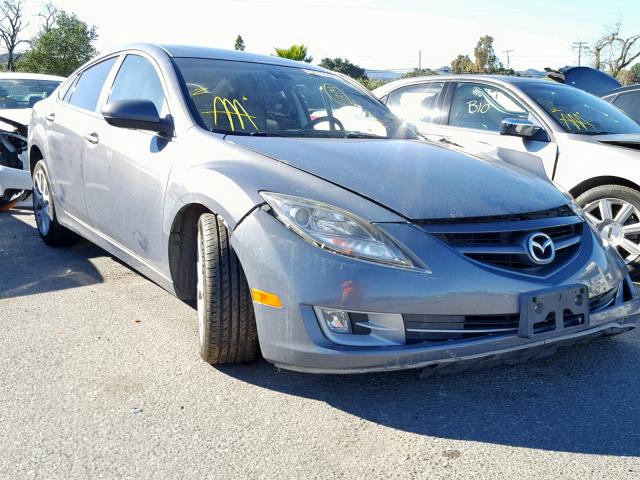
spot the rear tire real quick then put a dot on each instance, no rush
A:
(226, 321)
(51, 232)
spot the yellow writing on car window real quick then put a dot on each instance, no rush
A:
(232, 109)
(575, 120)
(199, 91)
(336, 94)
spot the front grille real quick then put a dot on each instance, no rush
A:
(502, 244)
(445, 328)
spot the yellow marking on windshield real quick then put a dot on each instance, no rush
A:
(231, 108)
(199, 91)
(575, 120)
(336, 94)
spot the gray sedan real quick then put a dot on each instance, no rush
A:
(307, 222)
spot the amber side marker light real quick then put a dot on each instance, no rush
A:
(266, 298)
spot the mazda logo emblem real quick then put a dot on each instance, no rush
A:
(540, 248)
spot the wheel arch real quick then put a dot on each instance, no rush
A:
(35, 155)
(599, 181)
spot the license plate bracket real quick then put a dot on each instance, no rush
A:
(554, 311)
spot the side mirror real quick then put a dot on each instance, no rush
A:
(138, 114)
(519, 127)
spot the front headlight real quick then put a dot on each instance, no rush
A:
(334, 229)
(573, 205)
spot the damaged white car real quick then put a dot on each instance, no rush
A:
(19, 92)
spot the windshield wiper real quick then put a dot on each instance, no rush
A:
(361, 135)
(247, 134)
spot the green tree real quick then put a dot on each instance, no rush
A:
(343, 66)
(486, 59)
(423, 72)
(626, 77)
(636, 72)
(61, 49)
(239, 43)
(371, 84)
(463, 64)
(294, 52)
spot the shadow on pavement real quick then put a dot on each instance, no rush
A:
(27, 266)
(584, 399)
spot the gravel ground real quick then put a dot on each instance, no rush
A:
(100, 378)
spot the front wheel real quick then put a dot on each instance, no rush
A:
(51, 232)
(614, 210)
(226, 322)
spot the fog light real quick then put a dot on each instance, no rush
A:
(336, 320)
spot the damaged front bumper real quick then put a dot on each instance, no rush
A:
(454, 289)
(14, 164)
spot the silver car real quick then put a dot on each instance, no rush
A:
(306, 221)
(584, 144)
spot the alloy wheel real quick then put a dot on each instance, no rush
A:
(618, 223)
(42, 202)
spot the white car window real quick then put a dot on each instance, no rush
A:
(416, 103)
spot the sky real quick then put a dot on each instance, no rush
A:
(375, 34)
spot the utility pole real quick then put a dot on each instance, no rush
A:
(508, 59)
(579, 46)
(419, 62)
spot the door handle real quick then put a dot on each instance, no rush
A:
(50, 118)
(92, 137)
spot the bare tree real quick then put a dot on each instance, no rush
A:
(48, 16)
(614, 52)
(11, 25)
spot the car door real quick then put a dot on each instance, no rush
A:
(475, 113)
(126, 176)
(65, 125)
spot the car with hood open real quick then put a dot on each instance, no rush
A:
(585, 145)
(305, 221)
(19, 92)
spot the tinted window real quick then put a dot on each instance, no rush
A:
(88, 88)
(242, 98)
(137, 80)
(629, 103)
(482, 107)
(577, 111)
(416, 103)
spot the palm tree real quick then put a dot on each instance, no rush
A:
(294, 52)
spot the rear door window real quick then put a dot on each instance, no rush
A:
(87, 90)
(483, 107)
(629, 103)
(416, 103)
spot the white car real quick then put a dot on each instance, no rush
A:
(19, 92)
(584, 144)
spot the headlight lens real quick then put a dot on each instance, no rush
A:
(332, 228)
(573, 205)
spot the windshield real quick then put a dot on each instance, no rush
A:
(577, 111)
(19, 93)
(245, 98)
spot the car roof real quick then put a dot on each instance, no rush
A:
(500, 79)
(195, 51)
(29, 76)
(628, 88)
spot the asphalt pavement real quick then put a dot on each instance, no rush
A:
(100, 378)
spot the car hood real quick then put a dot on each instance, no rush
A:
(19, 115)
(413, 178)
(629, 140)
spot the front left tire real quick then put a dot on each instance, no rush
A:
(226, 322)
(51, 232)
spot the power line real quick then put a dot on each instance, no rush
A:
(508, 59)
(579, 46)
